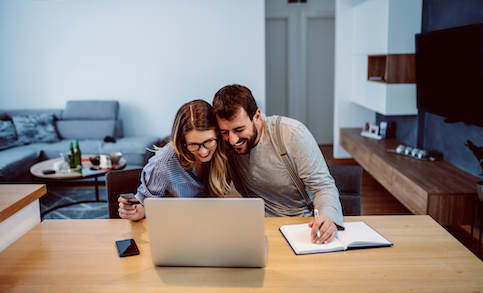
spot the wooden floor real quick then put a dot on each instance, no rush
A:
(376, 200)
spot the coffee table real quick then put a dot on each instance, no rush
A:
(88, 171)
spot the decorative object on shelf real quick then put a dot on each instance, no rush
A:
(412, 152)
(383, 129)
(478, 152)
(374, 131)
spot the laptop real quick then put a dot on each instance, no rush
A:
(207, 232)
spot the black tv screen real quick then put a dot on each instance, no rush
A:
(449, 73)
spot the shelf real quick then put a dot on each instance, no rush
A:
(438, 188)
(392, 68)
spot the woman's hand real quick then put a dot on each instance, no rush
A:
(128, 211)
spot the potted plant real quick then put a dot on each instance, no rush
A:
(478, 152)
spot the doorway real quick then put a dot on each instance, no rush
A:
(300, 69)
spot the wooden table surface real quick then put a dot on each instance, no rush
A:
(80, 256)
(14, 197)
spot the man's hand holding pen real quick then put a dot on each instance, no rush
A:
(323, 229)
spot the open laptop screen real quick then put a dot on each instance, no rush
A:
(220, 232)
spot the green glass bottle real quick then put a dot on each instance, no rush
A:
(78, 154)
(72, 161)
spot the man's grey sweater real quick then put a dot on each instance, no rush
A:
(262, 173)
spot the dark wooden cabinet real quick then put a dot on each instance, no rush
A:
(438, 188)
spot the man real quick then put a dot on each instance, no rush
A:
(257, 169)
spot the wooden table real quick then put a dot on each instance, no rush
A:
(79, 255)
(437, 188)
(19, 210)
(87, 171)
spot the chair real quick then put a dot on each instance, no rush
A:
(117, 183)
(348, 180)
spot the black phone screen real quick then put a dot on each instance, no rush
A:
(127, 247)
(130, 197)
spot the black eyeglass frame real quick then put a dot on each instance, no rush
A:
(187, 146)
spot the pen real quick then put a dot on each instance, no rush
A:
(316, 215)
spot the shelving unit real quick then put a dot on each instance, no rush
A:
(383, 56)
(438, 188)
(392, 68)
(371, 28)
(385, 83)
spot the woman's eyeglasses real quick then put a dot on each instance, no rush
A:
(209, 144)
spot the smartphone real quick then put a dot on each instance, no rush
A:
(131, 198)
(127, 247)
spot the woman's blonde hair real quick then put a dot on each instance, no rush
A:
(198, 115)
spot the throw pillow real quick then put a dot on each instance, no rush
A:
(8, 136)
(35, 128)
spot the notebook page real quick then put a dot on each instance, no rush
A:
(357, 234)
(298, 237)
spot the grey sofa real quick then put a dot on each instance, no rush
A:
(29, 136)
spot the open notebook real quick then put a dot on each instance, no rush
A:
(220, 232)
(355, 235)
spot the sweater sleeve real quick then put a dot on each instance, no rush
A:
(153, 181)
(312, 169)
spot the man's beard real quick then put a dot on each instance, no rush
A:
(250, 143)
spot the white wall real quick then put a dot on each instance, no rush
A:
(366, 27)
(150, 55)
(346, 113)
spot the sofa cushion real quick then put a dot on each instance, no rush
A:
(15, 162)
(86, 129)
(17, 112)
(35, 128)
(53, 150)
(91, 110)
(8, 135)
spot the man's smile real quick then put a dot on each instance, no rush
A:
(240, 142)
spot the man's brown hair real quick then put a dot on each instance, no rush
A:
(229, 99)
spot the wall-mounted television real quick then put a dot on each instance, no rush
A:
(449, 73)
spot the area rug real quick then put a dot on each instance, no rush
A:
(57, 196)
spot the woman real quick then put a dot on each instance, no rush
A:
(192, 164)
